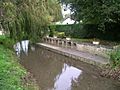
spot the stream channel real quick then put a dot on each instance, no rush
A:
(57, 72)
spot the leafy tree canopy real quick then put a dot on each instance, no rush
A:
(95, 11)
(27, 18)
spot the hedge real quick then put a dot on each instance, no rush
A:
(111, 31)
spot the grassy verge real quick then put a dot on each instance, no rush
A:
(81, 40)
(102, 42)
(10, 71)
(12, 75)
(115, 58)
(112, 70)
(6, 41)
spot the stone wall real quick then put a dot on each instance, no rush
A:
(95, 49)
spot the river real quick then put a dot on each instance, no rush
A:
(57, 72)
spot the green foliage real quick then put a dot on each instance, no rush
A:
(82, 40)
(54, 8)
(26, 19)
(51, 33)
(6, 41)
(95, 11)
(65, 28)
(77, 30)
(60, 34)
(115, 58)
(90, 31)
(10, 71)
(52, 30)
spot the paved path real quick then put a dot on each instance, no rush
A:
(82, 56)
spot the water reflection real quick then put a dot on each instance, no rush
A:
(24, 45)
(57, 72)
(21, 46)
(64, 80)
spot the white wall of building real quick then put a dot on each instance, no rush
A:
(66, 12)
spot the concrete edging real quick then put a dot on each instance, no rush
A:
(83, 59)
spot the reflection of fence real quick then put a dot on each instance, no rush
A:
(59, 42)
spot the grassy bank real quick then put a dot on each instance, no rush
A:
(12, 75)
(6, 41)
(10, 71)
(113, 69)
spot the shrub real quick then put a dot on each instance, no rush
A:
(111, 31)
(115, 58)
(52, 30)
(76, 30)
(6, 41)
(60, 34)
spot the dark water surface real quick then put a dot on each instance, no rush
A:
(57, 72)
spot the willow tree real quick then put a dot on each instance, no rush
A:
(28, 19)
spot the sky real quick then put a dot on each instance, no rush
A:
(65, 10)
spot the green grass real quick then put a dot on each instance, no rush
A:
(2, 36)
(102, 42)
(115, 58)
(10, 71)
(6, 41)
(82, 40)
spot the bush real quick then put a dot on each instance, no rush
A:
(76, 30)
(60, 34)
(115, 58)
(6, 41)
(82, 31)
(52, 30)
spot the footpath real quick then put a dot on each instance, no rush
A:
(78, 55)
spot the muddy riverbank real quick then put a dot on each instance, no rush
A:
(110, 72)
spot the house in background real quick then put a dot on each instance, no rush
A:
(66, 12)
(66, 21)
